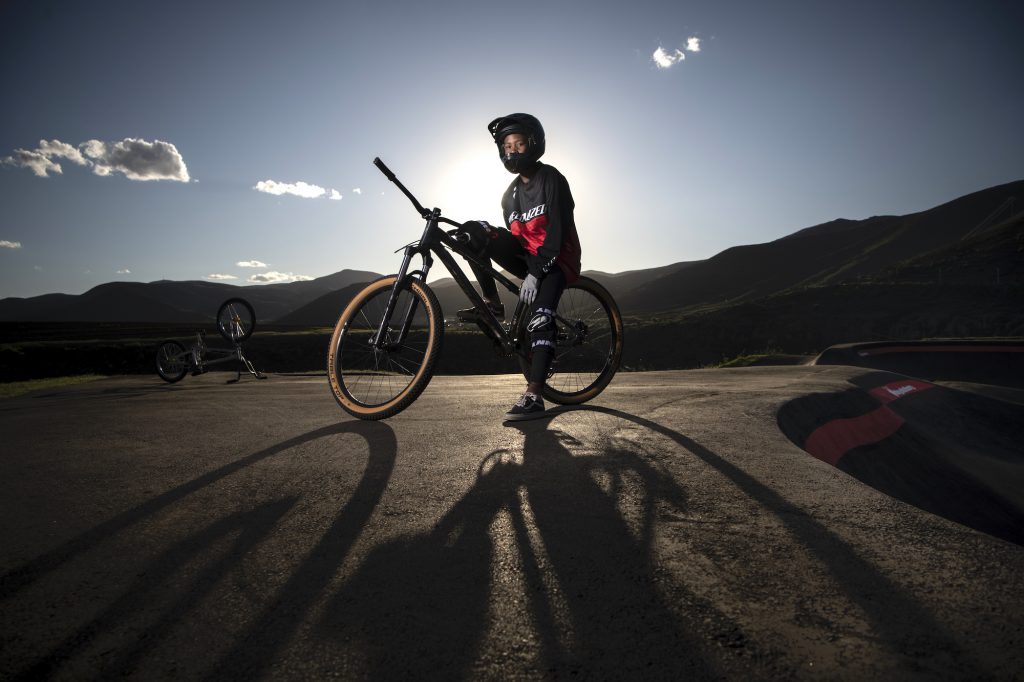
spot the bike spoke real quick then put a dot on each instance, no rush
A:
(587, 338)
(371, 375)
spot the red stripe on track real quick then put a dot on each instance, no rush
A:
(940, 349)
(831, 441)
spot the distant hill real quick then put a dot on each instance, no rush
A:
(169, 301)
(993, 256)
(971, 288)
(620, 284)
(451, 298)
(824, 254)
(811, 259)
(324, 310)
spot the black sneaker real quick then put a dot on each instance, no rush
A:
(530, 406)
(475, 314)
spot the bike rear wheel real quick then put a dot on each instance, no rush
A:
(588, 344)
(376, 381)
(171, 361)
(236, 320)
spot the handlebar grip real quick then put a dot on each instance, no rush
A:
(384, 169)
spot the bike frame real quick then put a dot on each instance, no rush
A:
(199, 351)
(436, 242)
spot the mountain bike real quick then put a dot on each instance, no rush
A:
(387, 341)
(236, 321)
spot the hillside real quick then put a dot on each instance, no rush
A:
(969, 289)
(972, 288)
(324, 310)
(168, 301)
(817, 257)
(994, 256)
(825, 254)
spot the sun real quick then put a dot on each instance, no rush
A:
(471, 185)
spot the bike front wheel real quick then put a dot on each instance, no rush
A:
(171, 361)
(375, 378)
(236, 320)
(588, 342)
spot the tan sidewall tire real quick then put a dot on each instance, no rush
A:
(422, 377)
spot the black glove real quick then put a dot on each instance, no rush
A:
(479, 232)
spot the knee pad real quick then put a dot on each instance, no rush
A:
(542, 328)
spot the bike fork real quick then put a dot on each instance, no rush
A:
(380, 339)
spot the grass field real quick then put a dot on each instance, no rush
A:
(16, 388)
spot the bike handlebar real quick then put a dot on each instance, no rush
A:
(426, 214)
(384, 169)
(391, 176)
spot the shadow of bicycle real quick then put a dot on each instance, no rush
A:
(169, 590)
(545, 564)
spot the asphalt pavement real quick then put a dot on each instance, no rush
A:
(672, 529)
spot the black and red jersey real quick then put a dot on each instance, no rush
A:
(540, 215)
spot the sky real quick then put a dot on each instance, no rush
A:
(233, 142)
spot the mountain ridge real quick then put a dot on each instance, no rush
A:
(830, 253)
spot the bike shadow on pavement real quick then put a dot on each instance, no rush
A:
(272, 628)
(379, 436)
(537, 571)
(899, 621)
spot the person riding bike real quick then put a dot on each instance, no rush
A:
(538, 244)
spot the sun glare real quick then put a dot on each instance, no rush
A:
(471, 185)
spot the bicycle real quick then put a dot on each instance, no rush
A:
(387, 340)
(236, 321)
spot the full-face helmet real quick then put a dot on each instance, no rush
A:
(527, 126)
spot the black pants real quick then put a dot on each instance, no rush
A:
(499, 245)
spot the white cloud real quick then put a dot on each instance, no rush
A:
(357, 190)
(61, 150)
(250, 264)
(35, 161)
(126, 271)
(335, 195)
(665, 59)
(299, 189)
(41, 160)
(4, 244)
(94, 149)
(219, 278)
(273, 277)
(136, 159)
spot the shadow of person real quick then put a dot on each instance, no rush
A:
(615, 621)
(588, 601)
(899, 621)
